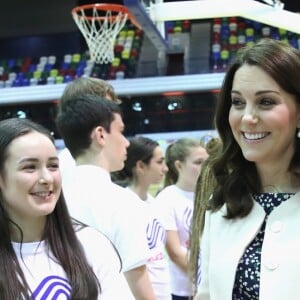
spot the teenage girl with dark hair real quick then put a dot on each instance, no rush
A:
(43, 253)
(144, 166)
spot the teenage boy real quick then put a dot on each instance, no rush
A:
(92, 129)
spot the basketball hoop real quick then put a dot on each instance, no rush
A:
(100, 24)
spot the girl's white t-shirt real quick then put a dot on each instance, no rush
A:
(157, 264)
(176, 207)
(47, 279)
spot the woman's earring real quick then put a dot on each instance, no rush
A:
(298, 133)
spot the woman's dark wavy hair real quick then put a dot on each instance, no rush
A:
(58, 234)
(238, 178)
(140, 149)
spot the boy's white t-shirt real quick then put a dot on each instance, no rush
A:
(176, 206)
(66, 161)
(95, 200)
(47, 280)
(157, 264)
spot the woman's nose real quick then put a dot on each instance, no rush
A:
(250, 115)
(165, 168)
(45, 177)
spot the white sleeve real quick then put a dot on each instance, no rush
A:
(131, 238)
(203, 292)
(167, 203)
(106, 264)
(115, 213)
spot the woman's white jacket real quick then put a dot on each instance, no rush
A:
(224, 242)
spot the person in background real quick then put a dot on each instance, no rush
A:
(205, 187)
(250, 244)
(92, 129)
(44, 254)
(144, 166)
(183, 158)
(90, 85)
(78, 87)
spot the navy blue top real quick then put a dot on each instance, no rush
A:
(246, 285)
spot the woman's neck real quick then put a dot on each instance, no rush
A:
(276, 177)
(288, 183)
(141, 191)
(184, 186)
(30, 231)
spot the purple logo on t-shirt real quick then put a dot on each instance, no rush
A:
(155, 233)
(187, 218)
(53, 288)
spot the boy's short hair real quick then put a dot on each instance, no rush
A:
(89, 85)
(78, 116)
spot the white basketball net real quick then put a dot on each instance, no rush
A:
(100, 33)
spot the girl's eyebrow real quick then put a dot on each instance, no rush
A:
(27, 159)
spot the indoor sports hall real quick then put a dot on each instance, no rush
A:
(166, 60)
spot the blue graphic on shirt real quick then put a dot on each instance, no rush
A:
(53, 288)
(187, 218)
(155, 233)
(199, 269)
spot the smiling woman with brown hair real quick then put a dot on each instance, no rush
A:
(250, 244)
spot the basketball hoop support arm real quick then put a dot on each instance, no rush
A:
(139, 12)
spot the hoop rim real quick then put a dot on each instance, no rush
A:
(104, 7)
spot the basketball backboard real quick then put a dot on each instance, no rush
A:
(152, 15)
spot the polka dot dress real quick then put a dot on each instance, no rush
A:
(247, 277)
